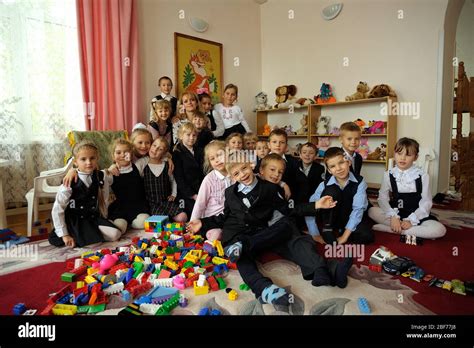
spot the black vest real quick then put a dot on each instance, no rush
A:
(344, 201)
(408, 202)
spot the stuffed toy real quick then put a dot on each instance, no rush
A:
(373, 156)
(289, 130)
(286, 97)
(360, 123)
(363, 149)
(323, 125)
(380, 91)
(261, 100)
(304, 126)
(325, 95)
(323, 145)
(376, 127)
(266, 130)
(383, 152)
(361, 93)
(335, 131)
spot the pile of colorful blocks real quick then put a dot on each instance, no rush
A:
(147, 275)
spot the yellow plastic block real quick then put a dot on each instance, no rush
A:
(196, 253)
(200, 290)
(192, 258)
(91, 271)
(144, 246)
(170, 264)
(80, 285)
(90, 279)
(94, 258)
(64, 309)
(138, 259)
(233, 295)
(218, 246)
(219, 261)
(170, 257)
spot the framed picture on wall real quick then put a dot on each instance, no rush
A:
(198, 66)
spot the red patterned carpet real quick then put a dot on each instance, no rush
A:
(448, 258)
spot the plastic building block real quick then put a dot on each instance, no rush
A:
(131, 309)
(204, 311)
(169, 305)
(380, 255)
(179, 282)
(232, 295)
(19, 309)
(216, 312)
(218, 260)
(64, 309)
(375, 268)
(168, 282)
(363, 305)
(68, 277)
(30, 312)
(244, 287)
(155, 223)
(213, 283)
(218, 246)
(149, 308)
(200, 290)
(164, 274)
(222, 284)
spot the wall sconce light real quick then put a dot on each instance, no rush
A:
(198, 24)
(331, 11)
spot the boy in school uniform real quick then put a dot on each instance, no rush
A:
(350, 135)
(165, 85)
(254, 221)
(348, 218)
(278, 143)
(309, 174)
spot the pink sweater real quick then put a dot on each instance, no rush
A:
(210, 199)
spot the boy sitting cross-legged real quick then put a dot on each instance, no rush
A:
(348, 217)
(254, 221)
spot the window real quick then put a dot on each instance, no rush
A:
(40, 93)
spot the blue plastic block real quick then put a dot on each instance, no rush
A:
(363, 305)
(19, 309)
(126, 295)
(129, 275)
(216, 312)
(204, 311)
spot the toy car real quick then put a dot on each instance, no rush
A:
(458, 287)
(375, 268)
(419, 273)
(428, 277)
(397, 265)
(447, 285)
(380, 255)
(439, 282)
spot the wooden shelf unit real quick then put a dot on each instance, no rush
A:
(314, 111)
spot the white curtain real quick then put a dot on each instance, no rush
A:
(40, 89)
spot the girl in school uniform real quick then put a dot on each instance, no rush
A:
(210, 198)
(188, 161)
(407, 211)
(130, 206)
(79, 211)
(160, 187)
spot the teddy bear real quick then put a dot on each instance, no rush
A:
(383, 152)
(361, 93)
(325, 95)
(323, 145)
(323, 125)
(375, 155)
(261, 100)
(363, 149)
(380, 91)
(304, 126)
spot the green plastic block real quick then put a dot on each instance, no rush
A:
(138, 267)
(222, 284)
(68, 277)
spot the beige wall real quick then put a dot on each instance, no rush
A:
(234, 23)
(381, 48)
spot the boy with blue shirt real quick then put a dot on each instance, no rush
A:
(348, 218)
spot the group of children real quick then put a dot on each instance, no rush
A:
(187, 164)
